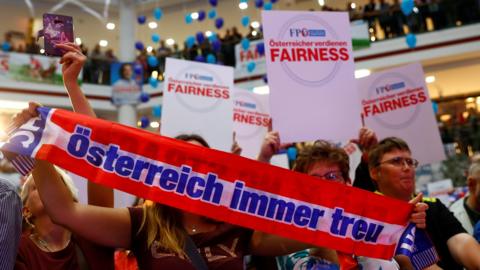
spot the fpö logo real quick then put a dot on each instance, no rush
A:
(304, 32)
(198, 77)
(390, 87)
(245, 104)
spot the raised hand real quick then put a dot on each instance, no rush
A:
(236, 149)
(72, 62)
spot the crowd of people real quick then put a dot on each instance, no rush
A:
(57, 232)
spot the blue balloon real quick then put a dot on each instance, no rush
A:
(268, 6)
(435, 107)
(201, 15)
(219, 23)
(188, 19)
(141, 19)
(216, 45)
(155, 38)
(251, 66)
(292, 153)
(6, 46)
(157, 13)
(273, 1)
(213, 2)
(200, 58)
(190, 41)
(245, 44)
(245, 20)
(212, 37)
(261, 48)
(265, 79)
(259, 3)
(411, 40)
(200, 37)
(152, 61)
(144, 122)
(211, 59)
(138, 69)
(407, 6)
(153, 82)
(139, 46)
(144, 97)
(212, 13)
(157, 111)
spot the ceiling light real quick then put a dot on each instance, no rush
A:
(254, 33)
(103, 43)
(154, 124)
(110, 26)
(78, 41)
(430, 79)
(361, 73)
(149, 49)
(255, 24)
(243, 5)
(152, 25)
(194, 15)
(470, 100)
(42, 51)
(261, 90)
(208, 33)
(154, 74)
(353, 5)
(170, 41)
(321, 3)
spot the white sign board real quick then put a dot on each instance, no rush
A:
(441, 189)
(311, 75)
(243, 57)
(198, 98)
(396, 103)
(250, 120)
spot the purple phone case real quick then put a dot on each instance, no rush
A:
(56, 29)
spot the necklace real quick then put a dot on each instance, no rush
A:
(42, 244)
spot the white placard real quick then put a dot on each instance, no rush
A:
(243, 57)
(396, 103)
(250, 120)
(198, 99)
(441, 189)
(311, 75)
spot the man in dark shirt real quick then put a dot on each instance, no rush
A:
(392, 167)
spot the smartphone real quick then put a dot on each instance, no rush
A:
(57, 29)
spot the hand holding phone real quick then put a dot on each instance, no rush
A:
(57, 29)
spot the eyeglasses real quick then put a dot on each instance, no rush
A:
(330, 176)
(401, 161)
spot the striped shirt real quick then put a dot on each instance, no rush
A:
(10, 224)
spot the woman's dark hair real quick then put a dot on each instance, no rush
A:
(193, 137)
